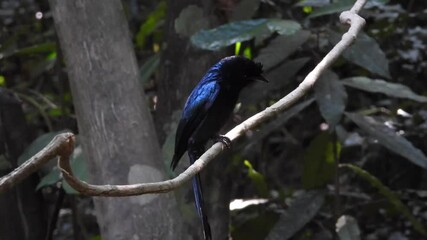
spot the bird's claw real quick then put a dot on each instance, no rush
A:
(224, 140)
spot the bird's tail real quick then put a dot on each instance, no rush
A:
(199, 201)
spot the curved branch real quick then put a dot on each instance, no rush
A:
(62, 145)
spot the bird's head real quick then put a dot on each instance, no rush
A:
(240, 71)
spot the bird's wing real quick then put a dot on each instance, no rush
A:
(195, 110)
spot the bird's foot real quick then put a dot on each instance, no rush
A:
(224, 140)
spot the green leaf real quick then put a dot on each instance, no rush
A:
(37, 145)
(336, 7)
(190, 20)
(390, 195)
(2, 81)
(280, 48)
(366, 53)
(153, 22)
(331, 97)
(319, 161)
(302, 209)
(381, 86)
(149, 67)
(39, 48)
(231, 33)
(347, 228)
(257, 179)
(390, 139)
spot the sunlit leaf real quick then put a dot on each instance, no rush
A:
(319, 161)
(381, 86)
(389, 139)
(302, 209)
(331, 97)
(233, 32)
(280, 48)
(389, 195)
(347, 228)
(257, 179)
(366, 53)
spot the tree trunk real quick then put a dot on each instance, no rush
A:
(22, 213)
(115, 125)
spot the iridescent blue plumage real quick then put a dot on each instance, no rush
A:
(207, 109)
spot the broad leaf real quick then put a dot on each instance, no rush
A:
(381, 86)
(280, 48)
(302, 209)
(390, 139)
(331, 97)
(336, 7)
(366, 53)
(231, 33)
(319, 161)
(37, 145)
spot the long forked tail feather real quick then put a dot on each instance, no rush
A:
(198, 199)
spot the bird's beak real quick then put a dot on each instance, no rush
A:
(259, 78)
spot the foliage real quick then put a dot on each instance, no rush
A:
(373, 100)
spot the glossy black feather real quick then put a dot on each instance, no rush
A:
(208, 107)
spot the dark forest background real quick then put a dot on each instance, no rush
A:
(347, 162)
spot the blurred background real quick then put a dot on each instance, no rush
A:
(346, 162)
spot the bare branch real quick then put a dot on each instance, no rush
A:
(54, 148)
(62, 144)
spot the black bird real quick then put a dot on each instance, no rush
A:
(207, 109)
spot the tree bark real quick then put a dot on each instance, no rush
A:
(22, 213)
(115, 125)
